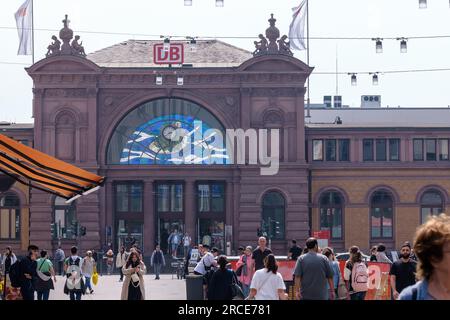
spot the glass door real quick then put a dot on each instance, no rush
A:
(130, 233)
(170, 234)
(212, 233)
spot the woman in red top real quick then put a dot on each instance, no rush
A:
(247, 271)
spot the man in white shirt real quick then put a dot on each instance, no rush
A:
(207, 261)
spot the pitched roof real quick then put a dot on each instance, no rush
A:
(379, 117)
(139, 53)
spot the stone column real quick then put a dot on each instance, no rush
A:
(149, 217)
(190, 217)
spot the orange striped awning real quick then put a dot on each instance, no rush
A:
(41, 171)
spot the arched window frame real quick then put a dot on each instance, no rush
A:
(384, 208)
(332, 207)
(432, 208)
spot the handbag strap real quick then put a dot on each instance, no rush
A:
(42, 264)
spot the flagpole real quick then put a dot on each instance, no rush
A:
(32, 31)
(308, 115)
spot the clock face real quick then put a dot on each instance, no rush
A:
(168, 131)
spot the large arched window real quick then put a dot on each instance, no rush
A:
(147, 135)
(64, 219)
(381, 215)
(273, 210)
(331, 205)
(431, 203)
(9, 216)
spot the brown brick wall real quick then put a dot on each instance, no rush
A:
(357, 184)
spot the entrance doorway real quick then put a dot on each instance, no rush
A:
(170, 234)
(212, 233)
(130, 233)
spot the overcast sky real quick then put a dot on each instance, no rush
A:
(328, 18)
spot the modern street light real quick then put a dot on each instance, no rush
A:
(159, 80)
(166, 45)
(375, 79)
(219, 3)
(378, 45)
(188, 3)
(180, 80)
(353, 79)
(403, 45)
(422, 4)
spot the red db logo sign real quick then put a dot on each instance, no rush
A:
(175, 55)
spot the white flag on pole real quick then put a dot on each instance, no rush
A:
(297, 27)
(24, 24)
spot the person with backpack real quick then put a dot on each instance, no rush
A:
(221, 282)
(133, 287)
(312, 274)
(74, 285)
(60, 256)
(205, 266)
(356, 276)
(267, 283)
(23, 273)
(87, 268)
(45, 272)
(432, 248)
(244, 270)
(157, 261)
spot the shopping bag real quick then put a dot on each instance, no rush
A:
(95, 278)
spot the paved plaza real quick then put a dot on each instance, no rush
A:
(109, 288)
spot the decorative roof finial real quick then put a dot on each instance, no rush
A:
(270, 43)
(73, 48)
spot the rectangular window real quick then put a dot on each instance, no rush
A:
(317, 150)
(122, 197)
(129, 197)
(368, 149)
(418, 149)
(217, 197)
(443, 149)
(344, 149)
(394, 149)
(330, 146)
(203, 198)
(163, 197)
(381, 150)
(211, 197)
(177, 198)
(430, 149)
(136, 198)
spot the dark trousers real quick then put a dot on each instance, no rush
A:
(358, 295)
(43, 295)
(121, 274)
(61, 267)
(75, 295)
(157, 269)
(27, 292)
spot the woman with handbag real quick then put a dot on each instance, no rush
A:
(245, 269)
(133, 286)
(267, 283)
(222, 281)
(45, 273)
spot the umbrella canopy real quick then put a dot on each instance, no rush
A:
(41, 171)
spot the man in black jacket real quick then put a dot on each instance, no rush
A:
(28, 273)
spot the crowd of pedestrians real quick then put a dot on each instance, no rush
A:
(420, 273)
